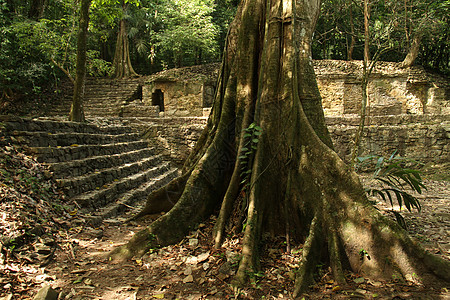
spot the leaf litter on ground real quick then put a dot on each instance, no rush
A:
(191, 269)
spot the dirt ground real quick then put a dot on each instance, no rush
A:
(76, 264)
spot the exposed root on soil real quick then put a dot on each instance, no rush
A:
(163, 199)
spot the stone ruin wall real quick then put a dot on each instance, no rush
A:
(408, 112)
(392, 90)
(187, 92)
(174, 137)
(425, 138)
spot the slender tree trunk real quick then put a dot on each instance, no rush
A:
(362, 118)
(364, 86)
(266, 157)
(76, 111)
(413, 51)
(352, 33)
(366, 31)
(122, 62)
(405, 6)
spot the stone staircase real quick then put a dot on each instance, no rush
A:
(107, 98)
(102, 169)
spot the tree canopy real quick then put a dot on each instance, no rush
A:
(38, 43)
(394, 25)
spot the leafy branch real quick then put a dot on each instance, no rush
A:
(393, 177)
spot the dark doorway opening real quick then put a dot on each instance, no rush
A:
(158, 99)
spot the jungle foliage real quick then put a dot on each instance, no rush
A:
(394, 25)
(38, 45)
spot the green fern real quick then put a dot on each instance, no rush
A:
(251, 136)
(393, 176)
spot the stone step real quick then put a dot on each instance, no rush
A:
(91, 164)
(101, 113)
(47, 139)
(132, 199)
(58, 112)
(103, 97)
(68, 153)
(12, 123)
(110, 91)
(98, 179)
(108, 101)
(109, 82)
(95, 199)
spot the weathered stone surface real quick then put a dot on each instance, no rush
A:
(110, 167)
(185, 92)
(425, 138)
(46, 293)
(174, 137)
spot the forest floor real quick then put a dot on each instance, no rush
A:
(71, 257)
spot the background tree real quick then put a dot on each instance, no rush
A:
(265, 158)
(35, 55)
(414, 26)
(37, 8)
(76, 110)
(424, 21)
(223, 14)
(379, 33)
(122, 62)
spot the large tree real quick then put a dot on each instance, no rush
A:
(122, 62)
(266, 157)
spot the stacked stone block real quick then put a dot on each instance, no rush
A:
(104, 170)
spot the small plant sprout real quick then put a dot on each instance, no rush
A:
(364, 254)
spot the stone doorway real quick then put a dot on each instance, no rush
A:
(158, 99)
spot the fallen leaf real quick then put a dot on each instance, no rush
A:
(78, 280)
(376, 283)
(205, 266)
(193, 242)
(202, 257)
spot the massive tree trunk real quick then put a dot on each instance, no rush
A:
(76, 111)
(122, 62)
(266, 157)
